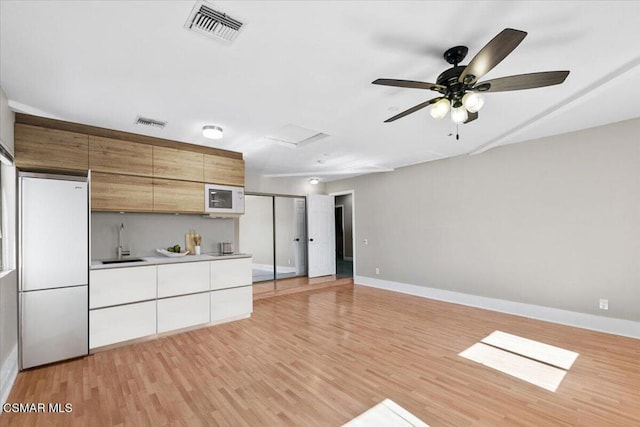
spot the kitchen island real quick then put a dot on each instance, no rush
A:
(161, 295)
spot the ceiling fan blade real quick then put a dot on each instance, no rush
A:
(491, 55)
(407, 83)
(471, 117)
(523, 81)
(413, 109)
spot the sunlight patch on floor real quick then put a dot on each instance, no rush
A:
(384, 414)
(535, 350)
(537, 363)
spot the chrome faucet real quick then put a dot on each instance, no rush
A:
(121, 252)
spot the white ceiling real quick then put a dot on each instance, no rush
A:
(311, 64)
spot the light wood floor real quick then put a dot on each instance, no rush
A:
(320, 358)
(294, 285)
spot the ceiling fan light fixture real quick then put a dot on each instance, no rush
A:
(440, 109)
(212, 132)
(473, 101)
(459, 114)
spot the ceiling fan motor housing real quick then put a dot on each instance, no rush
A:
(455, 90)
(456, 54)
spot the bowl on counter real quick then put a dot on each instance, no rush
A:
(172, 254)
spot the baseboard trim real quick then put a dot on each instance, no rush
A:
(279, 268)
(592, 322)
(8, 374)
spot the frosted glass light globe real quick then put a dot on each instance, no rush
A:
(459, 114)
(473, 101)
(440, 109)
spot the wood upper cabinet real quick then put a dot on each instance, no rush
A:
(121, 193)
(172, 163)
(122, 157)
(223, 170)
(42, 148)
(178, 196)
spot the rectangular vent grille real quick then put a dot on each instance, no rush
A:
(212, 23)
(143, 121)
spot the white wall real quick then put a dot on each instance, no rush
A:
(7, 118)
(8, 276)
(553, 222)
(256, 183)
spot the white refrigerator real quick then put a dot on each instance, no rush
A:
(53, 268)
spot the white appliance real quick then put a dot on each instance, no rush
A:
(53, 268)
(223, 199)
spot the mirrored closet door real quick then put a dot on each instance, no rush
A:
(273, 230)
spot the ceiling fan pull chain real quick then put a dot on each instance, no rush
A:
(457, 134)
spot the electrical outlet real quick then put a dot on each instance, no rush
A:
(604, 304)
(377, 270)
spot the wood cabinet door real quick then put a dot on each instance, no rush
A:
(45, 149)
(177, 164)
(121, 193)
(122, 157)
(223, 170)
(178, 196)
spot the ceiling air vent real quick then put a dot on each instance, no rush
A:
(205, 20)
(143, 121)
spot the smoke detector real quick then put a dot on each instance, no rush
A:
(212, 23)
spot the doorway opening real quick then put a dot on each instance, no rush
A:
(344, 234)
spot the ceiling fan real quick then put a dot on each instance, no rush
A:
(459, 87)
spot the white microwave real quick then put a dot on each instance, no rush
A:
(223, 199)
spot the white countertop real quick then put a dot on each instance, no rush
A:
(155, 260)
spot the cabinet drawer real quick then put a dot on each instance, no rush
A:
(122, 323)
(182, 312)
(230, 273)
(181, 279)
(121, 286)
(233, 302)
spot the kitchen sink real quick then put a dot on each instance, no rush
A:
(122, 261)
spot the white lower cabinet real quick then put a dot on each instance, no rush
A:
(122, 285)
(182, 312)
(181, 279)
(231, 273)
(231, 303)
(172, 297)
(121, 323)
